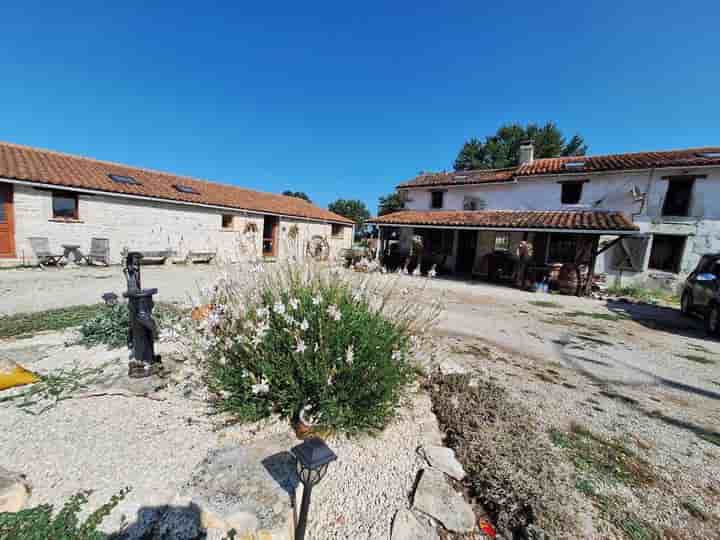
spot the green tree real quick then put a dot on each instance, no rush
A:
(352, 209)
(390, 203)
(503, 148)
(297, 195)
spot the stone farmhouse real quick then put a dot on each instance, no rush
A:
(69, 200)
(638, 217)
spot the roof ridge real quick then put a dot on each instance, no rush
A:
(148, 170)
(670, 151)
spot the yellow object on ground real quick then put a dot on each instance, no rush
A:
(12, 375)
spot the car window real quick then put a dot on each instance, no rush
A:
(704, 265)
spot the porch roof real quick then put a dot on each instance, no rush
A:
(575, 221)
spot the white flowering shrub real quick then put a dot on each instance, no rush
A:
(311, 340)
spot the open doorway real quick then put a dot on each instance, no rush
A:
(270, 230)
(467, 245)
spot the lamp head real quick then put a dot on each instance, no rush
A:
(313, 457)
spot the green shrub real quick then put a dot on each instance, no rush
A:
(110, 325)
(39, 523)
(302, 339)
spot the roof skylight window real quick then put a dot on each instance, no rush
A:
(709, 154)
(122, 179)
(186, 189)
(574, 164)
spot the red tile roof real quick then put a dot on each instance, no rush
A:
(575, 220)
(691, 157)
(19, 162)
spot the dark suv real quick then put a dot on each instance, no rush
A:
(701, 292)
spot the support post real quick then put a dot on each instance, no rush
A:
(591, 268)
(304, 508)
(379, 244)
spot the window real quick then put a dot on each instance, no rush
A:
(574, 164)
(121, 179)
(186, 189)
(64, 205)
(474, 203)
(437, 241)
(436, 199)
(666, 253)
(563, 248)
(337, 231)
(571, 192)
(502, 241)
(227, 221)
(711, 154)
(678, 196)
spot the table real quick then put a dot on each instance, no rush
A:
(74, 250)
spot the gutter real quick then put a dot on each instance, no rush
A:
(514, 229)
(119, 195)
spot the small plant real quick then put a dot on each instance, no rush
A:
(59, 385)
(110, 324)
(645, 294)
(544, 303)
(301, 339)
(42, 523)
(697, 358)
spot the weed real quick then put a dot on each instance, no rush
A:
(41, 522)
(53, 388)
(644, 294)
(697, 358)
(712, 438)
(694, 510)
(545, 304)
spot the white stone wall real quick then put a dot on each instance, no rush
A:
(145, 226)
(607, 191)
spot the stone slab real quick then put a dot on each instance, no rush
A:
(406, 526)
(435, 497)
(443, 459)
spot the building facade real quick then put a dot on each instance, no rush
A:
(673, 198)
(70, 200)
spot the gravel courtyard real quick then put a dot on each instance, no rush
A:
(637, 373)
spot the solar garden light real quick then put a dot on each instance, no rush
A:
(312, 457)
(110, 298)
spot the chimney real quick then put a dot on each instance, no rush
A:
(527, 152)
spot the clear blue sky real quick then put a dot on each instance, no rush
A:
(346, 99)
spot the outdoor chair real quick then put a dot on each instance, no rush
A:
(99, 251)
(41, 247)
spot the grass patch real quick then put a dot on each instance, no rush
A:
(645, 295)
(598, 457)
(697, 358)
(27, 324)
(712, 438)
(598, 316)
(544, 304)
(513, 471)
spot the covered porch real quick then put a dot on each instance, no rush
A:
(522, 248)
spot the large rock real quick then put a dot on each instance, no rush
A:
(406, 526)
(443, 459)
(248, 488)
(245, 488)
(14, 491)
(435, 497)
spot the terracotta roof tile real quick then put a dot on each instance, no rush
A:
(582, 220)
(19, 162)
(691, 157)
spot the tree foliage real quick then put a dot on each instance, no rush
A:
(390, 203)
(503, 148)
(297, 194)
(352, 209)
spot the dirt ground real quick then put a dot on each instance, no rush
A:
(639, 373)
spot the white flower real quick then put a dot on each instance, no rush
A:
(416, 272)
(317, 300)
(261, 388)
(397, 356)
(279, 308)
(316, 348)
(262, 312)
(330, 380)
(300, 348)
(334, 313)
(294, 303)
(349, 355)
(432, 273)
(304, 325)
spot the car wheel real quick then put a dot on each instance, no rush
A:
(712, 320)
(686, 303)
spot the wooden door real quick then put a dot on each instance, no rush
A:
(7, 231)
(270, 230)
(467, 245)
